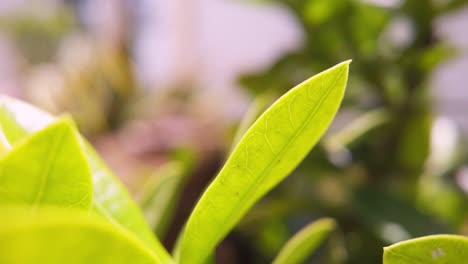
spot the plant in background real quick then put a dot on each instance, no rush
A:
(56, 193)
(379, 172)
(61, 204)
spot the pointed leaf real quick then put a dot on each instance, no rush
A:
(274, 145)
(429, 249)
(48, 168)
(57, 236)
(111, 199)
(302, 244)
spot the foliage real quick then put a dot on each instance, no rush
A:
(56, 191)
(373, 173)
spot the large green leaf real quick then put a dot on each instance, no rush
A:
(302, 245)
(274, 145)
(58, 236)
(442, 249)
(48, 168)
(110, 198)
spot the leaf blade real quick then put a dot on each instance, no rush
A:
(429, 249)
(56, 236)
(48, 168)
(112, 201)
(119, 208)
(304, 242)
(247, 176)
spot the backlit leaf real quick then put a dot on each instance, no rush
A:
(274, 145)
(443, 249)
(47, 168)
(57, 236)
(110, 198)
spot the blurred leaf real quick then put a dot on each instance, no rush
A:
(274, 145)
(431, 249)
(414, 146)
(355, 129)
(57, 236)
(317, 12)
(110, 198)
(47, 168)
(303, 244)
(161, 194)
(440, 198)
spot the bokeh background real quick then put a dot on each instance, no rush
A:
(165, 88)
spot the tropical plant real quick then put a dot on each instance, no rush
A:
(61, 204)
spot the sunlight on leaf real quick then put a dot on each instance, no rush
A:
(57, 236)
(111, 199)
(430, 249)
(274, 145)
(47, 168)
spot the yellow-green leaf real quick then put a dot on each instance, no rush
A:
(436, 249)
(274, 145)
(58, 236)
(47, 168)
(110, 198)
(303, 244)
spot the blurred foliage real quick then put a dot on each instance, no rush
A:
(386, 171)
(372, 172)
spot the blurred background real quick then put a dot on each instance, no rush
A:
(165, 88)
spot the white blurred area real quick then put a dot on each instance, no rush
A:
(210, 43)
(207, 44)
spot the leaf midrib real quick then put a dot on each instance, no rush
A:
(49, 164)
(270, 166)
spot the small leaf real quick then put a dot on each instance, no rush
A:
(48, 168)
(162, 193)
(111, 199)
(57, 236)
(274, 145)
(304, 242)
(429, 249)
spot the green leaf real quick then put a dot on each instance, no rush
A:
(110, 198)
(274, 145)
(302, 245)
(258, 106)
(57, 236)
(162, 192)
(112, 201)
(47, 168)
(443, 249)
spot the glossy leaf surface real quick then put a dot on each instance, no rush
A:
(274, 145)
(430, 249)
(47, 168)
(57, 236)
(110, 198)
(302, 245)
